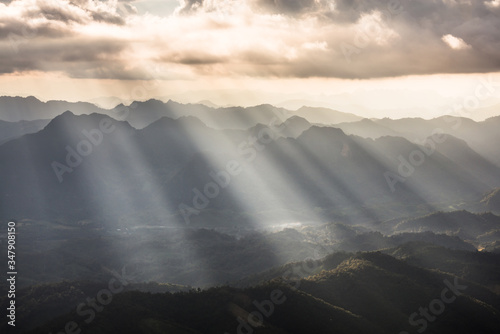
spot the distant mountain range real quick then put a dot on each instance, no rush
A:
(154, 170)
(11, 130)
(480, 136)
(15, 109)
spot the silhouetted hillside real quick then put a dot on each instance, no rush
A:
(325, 116)
(152, 173)
(367, 292)
(15, 109)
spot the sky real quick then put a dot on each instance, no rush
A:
(372, 57)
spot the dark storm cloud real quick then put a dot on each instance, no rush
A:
(288, 6)
(77, 57)
(279, 38)
(108, 18)
(14, 29)
(418, 48)
(198, 59)
(190, 6)
(54, 13)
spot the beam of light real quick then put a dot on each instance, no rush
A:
(384, 158)
(270, 208)
(417, 184)
(328, 182)
(142, 202)
(207, 159)
(26, 155)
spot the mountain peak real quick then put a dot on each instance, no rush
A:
(64, 117)
(296, 118)
(325, 115)
(67, 113)
(68, 121)
(321, 131)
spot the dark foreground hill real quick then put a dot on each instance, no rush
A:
(362, 293)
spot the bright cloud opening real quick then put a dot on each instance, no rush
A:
(455, 43)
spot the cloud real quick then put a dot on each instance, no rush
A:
(76, 56)
(290, 7)
(493, 3)
(455, 43)
(315, 46)
(189, 6)
(262, 38)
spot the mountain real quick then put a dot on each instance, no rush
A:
(294, 126)
(480, 267)
(186, 255)
(220, 310)
(352, 168)
(483, 113)
(477, 267)
(208, 103)
(244, 118)
(291, 128)
(48, 173)
(106, 102)
(10, 130)
(378, 288)
(342, 293)
(468, 226)
(375, 241)
(41, 303)
(185, 218)
(415, 129)
(156, 171)
(480, 136)
(325, 116)
(170, 139)
(15, 109)
(492, 201)
(460, 152)
(367, 128)
(484, 142)
(141, 114)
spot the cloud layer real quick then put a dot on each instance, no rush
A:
(261, 38)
